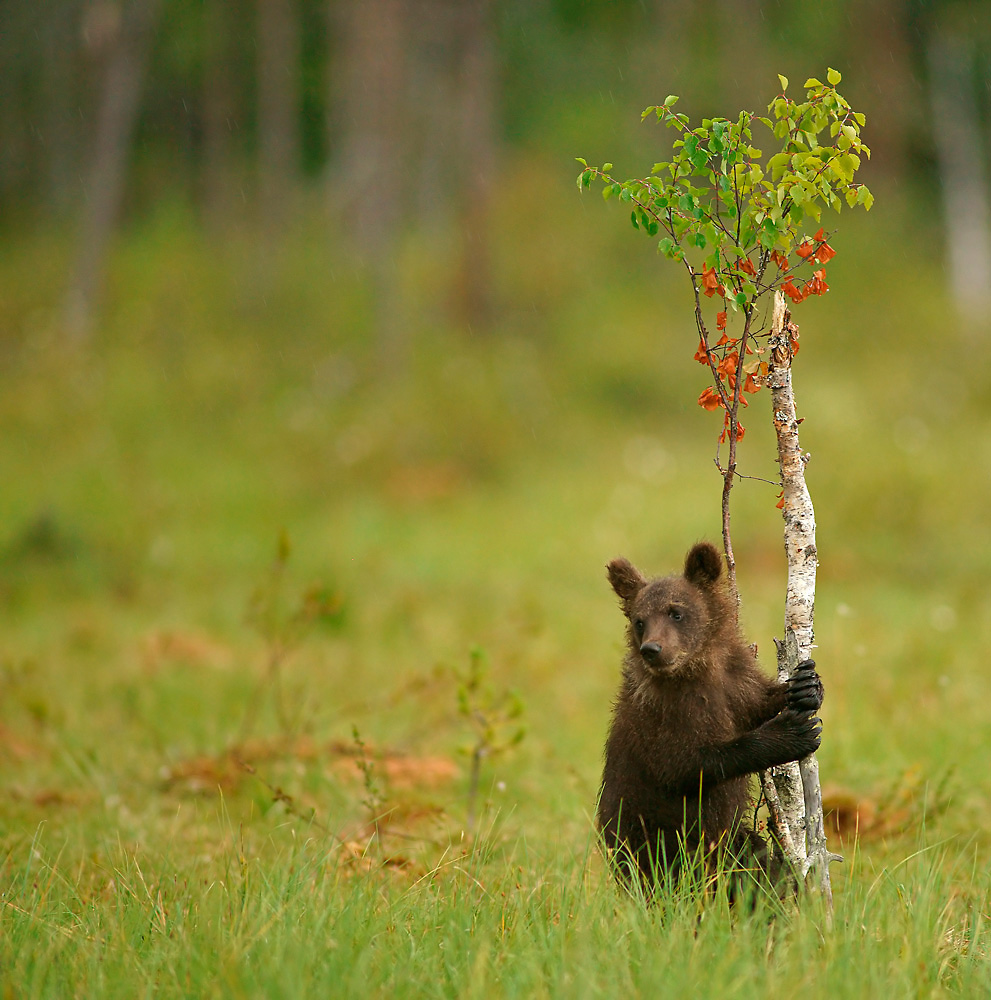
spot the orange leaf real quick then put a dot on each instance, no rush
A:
(792, 292)
(724, 340)
(721, 321)
(750, 385)
(710, 282)
(781, 501)
(805, 250)
(817, 285)
(728, 365)
(825, 253)
(746, 266)
(709, 399)
(700, 355)
(780, 259)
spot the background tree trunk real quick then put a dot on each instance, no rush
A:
(477, 87)
(278, 92)
(367, 170)
(219, 114)
(958, 132)
(115, 126)
(60, 99)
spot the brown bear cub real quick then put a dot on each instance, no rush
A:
(694, 718)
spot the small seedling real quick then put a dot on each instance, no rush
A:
(374, 798)
(283, 624)
(495, 719)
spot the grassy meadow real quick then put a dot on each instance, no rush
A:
(260, 577)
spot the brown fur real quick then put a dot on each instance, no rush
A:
(694, 718)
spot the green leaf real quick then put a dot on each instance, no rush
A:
(833, 76)
(812, 82)
(665, 246)
(670, 100)
(606, 167)
(778, 164)
(864, 197)
(784, 81)
(633, 219)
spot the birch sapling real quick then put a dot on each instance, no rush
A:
(740, 226)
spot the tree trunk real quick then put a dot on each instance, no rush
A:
(880, 55)
(367, 174)
(60, 90)
(115, 126)
(962, 169)
(278, 91)
(477, 86)
(792, 791)
(219, 111)
(366, 177)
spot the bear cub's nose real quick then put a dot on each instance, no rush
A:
(651, 652)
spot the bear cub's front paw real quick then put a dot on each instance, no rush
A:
(799, 733)
(805, 688)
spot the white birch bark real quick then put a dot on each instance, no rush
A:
(792, 791)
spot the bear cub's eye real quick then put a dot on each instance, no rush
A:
(638, 626)
(675, 615)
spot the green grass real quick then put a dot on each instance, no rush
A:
(286, 917)
(179, 817)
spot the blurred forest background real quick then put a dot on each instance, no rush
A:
(400, 117)
(319, 267)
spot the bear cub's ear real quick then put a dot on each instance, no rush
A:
(625, 578)
(703, 565)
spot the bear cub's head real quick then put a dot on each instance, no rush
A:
(672, 620)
